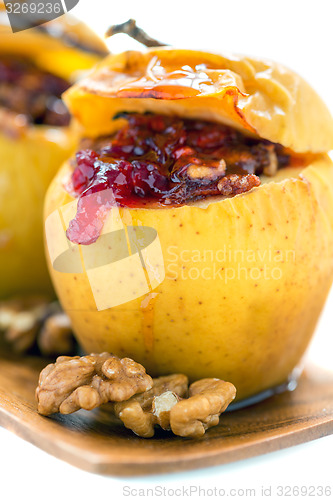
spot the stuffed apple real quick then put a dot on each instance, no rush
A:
(193, 229)
(36, 67)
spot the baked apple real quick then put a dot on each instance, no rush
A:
(193, 229)
(36, 66)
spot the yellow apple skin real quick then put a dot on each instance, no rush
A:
(27, 166)
(29, 161)
(250, 324)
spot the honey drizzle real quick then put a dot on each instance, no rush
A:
(147, 308)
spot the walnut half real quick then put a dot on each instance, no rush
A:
(209, 397)
(141, 412)
(33, 320)
(88, 382)
(167, 405)
(140, 402)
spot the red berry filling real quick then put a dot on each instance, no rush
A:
(163, 161)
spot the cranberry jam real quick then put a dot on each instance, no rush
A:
(164, 161)
(30, 91)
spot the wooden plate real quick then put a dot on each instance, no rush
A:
(94, 442)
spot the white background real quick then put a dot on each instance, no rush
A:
(299, 34)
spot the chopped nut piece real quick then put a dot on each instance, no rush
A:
(205, 172)
(30, 320)
(208, 399)
(233, 184)
(137, 413)
(88, 382)
(273, 165)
